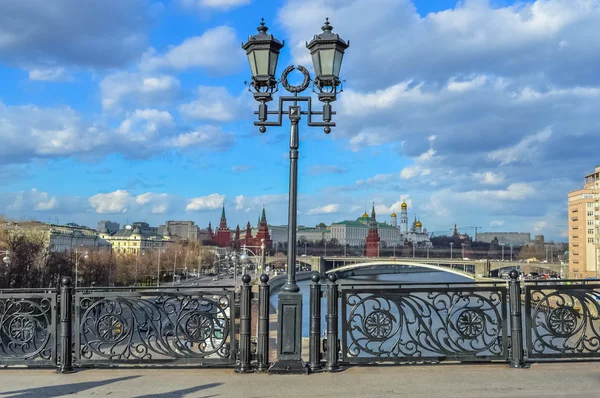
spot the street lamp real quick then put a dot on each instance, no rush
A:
(137, 258)
(77, 258)
(174, 267)
(325, 249)
(502, 244)
(6, 258)
(511, 251)
(451, 244)
(327, 50)
(463, 250)
(158, 268)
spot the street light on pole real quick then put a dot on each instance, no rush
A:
(137, 259)
(175, 267)
(6, 258)
(502, 244)
(451, 244)
(327, 50)
(511, 252)
(158, 268)
(77, 258)
(463, 250)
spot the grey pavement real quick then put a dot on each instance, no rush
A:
(488, 380)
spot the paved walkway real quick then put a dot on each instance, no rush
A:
(575, 380)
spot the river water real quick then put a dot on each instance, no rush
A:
(404, 277)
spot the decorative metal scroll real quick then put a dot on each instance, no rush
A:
(27, 329)
(424, 324)
(140, 327)
(563, 321)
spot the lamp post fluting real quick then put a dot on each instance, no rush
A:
(327, 50)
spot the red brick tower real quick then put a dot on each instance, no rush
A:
(248, 236)
(236, 240)
(263, 232)
(223, 233)
(373, 236)
(210, 232)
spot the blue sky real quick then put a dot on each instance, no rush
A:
(480, 113)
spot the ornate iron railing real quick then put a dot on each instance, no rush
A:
(433, 322)
(28, 327)
(562, 319)
(194, 325)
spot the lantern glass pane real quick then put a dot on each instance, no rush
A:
(252, 62)
(337, 63)
(262, 62)
(273, 63)
(327, 61)
(316, 63)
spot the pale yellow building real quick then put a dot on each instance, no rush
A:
(135, 240)
(584, 228)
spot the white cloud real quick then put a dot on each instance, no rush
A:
(212, 137)
(158, 202)
(222, 5)
(125, 88)
(540, 226)
(210, 202)
(250, 203)
(215, 103)
(49, 75)
(522, 151)
(217, 50)
(145, 125)
(33, 200)
(327, 209)
(489, 177)
(113, 202)
(497, 223)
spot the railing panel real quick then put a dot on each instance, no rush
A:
(28, 328)
(177, 326)
(562, 319)
(428, 323)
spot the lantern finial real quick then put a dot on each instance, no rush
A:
(327, 27)
(262, 28)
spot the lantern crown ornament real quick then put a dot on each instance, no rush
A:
(327, 51)
(263, 50)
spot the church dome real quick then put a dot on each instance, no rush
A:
(393, 214)
(404, 206)
(365, 215)
(418, 224)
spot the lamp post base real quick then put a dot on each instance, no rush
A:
(289, 368)
(289, 335)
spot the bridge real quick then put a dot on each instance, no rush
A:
(479, 268)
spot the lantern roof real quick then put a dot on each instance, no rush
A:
(262, 38)
(328, 37)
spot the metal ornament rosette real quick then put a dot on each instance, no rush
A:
(417, 325)
(27, 329)
(191, 327)
(563, 321)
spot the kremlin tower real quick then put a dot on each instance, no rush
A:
(373, 239)
(223, 233)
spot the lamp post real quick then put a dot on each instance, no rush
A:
(6, 258)
(175, 267)
(463, 250)
(451, 244)
(137, 259)
(158, 268)
(325, 249)
(511, 246)
(327, 50)
(77, 258)
(305, 248)
(502, 244)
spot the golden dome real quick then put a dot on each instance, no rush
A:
(404, 205)
(418, 224)
(393, 214)
(365, 215)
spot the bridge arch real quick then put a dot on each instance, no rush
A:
(359, 266)
(302, 260)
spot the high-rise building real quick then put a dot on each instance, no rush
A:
(584, 227)
(184, 230)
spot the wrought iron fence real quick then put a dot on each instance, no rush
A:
(431, 322)
(28, 327)
(562, 319)
(194, 325)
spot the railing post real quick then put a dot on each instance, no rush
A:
(245, 321)
(516, 321)
(263, 324)
(66, 327)
(314, 363)
(332, 364)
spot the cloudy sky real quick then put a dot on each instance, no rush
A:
(480, 113)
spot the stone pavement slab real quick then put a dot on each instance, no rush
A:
(576, 380)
